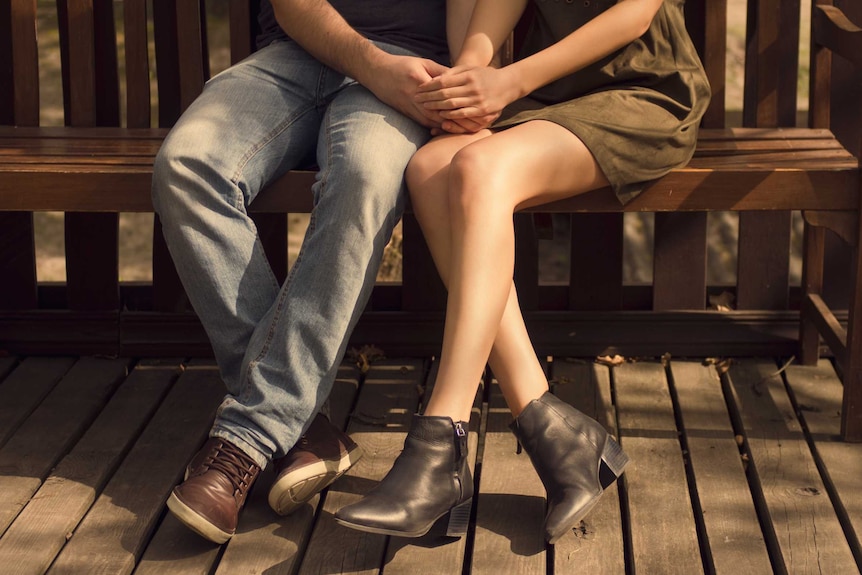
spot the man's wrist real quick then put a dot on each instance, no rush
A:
(368, 63)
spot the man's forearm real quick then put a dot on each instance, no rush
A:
(324, 33)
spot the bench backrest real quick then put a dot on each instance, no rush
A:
(164, 61)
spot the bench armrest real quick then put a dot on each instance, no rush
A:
(833, 30)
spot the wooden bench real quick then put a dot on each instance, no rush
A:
(99, 165)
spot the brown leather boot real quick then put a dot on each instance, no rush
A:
(321, 456)
(218, 479)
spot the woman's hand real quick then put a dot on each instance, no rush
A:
(470, 96)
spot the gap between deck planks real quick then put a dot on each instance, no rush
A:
(733, 472)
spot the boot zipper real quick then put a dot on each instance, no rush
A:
(459, 429)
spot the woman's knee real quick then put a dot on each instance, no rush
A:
(474, 177)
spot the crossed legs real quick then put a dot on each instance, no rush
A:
(464, 190)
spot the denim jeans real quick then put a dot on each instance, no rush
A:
(278, 347)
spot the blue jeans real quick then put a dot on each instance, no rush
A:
(278, 347)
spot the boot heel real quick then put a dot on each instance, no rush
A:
(459, 519)
(614, 461)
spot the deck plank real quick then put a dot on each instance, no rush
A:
(511, 504)
(7, 364)
(597, 546)
(434, 553)
(387, 401)
(790, 484)
(808, 532)
(736, 542)
(52, 429)
(664, 536)
(25, 387)
(112, 536)
(40, 531)
(818, 393)
(270, 544)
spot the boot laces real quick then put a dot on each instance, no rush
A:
(233, 464)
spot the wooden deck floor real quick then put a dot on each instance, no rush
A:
(735, 469)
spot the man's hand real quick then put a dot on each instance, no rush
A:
(395, 80)
(468, 98)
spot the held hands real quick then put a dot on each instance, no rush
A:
(395, 79)
(468, 98)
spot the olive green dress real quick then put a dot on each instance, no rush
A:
(637, 110)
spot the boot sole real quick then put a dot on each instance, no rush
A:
(459, 520)
(288, 493)
(197, 523)
(613, 462)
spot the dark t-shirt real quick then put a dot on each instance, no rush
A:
(418, 25)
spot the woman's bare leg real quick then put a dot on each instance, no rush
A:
(513, 358)
(464, 190)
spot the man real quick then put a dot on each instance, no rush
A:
(331, 83)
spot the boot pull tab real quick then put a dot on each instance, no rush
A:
(459, 429)
(461, 442)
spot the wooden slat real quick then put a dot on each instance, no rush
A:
(129, 507)
(820, 76)
(17, 261)
(25, 388)
(664, 536)
(193, 66)
(829, 327)
(597, 545)
(813, 244)
(52, 429)
(7, 364)
(423, 288)
(851, 422)
(817, 395)
(92, 261)
(788, 60)
(24, 62)
(136, 45)
(511, 507)
(41, 530)
(79, 81)
(706, 21)
(20, 102)
(734, 538)
(526, 262)
(107, 100)
(679, 261)
(596, 271)
(167, 61)
(805, 525)
(379, 424)
(176, 549)
(762, 64)
(764, 259)
(7, 85)
(242, 14)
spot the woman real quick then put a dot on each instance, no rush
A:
(608, 93)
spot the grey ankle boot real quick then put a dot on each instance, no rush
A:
(428, 480)
(575, 457)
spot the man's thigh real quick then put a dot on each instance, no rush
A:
(255, 120)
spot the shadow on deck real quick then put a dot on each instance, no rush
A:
(736, 468)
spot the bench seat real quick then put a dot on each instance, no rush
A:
(109, 170)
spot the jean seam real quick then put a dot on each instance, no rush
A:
(265, 141)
